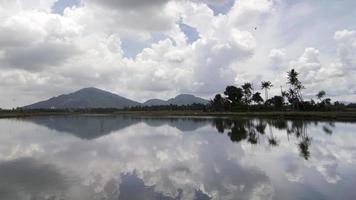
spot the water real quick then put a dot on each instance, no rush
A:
(133, 158)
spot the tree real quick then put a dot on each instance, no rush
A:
(266, 85)
(247, 92)
(257, 98)
(218, 103)
(294, 93)
(234, 94)
(320, 95)
(277, 102)
(327, 101)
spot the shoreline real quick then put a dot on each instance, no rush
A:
(328, 115)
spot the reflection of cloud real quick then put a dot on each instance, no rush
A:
(133, 188)
(169, 163)
(326, 163)
(165, 159)
(22, 177)
(293, 171)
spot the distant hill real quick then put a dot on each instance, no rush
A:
(155, 102)
(183, 99)
(96, 98)
(85, 98)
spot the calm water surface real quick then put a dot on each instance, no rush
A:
(130, 158)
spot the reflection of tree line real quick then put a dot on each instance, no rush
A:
(255, 131)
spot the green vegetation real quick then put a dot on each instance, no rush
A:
(244, 98)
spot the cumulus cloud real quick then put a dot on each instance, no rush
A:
(277, 57)
(36, 40)
(83, 47)
(246, 11)
(346, 48)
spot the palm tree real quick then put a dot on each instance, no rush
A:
(294, 82)
(247, 91)
(257, 98)
(266, 85)
(321, 95)
(293, 77)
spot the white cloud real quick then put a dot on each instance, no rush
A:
(346, 48)
(277, 57)
(83, 47)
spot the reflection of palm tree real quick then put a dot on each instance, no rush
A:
(304, 147)
(253, 137)
(251, 131)
(279, 124)
(261, 127)
(327, 130)
(300, 130)
(272, 140)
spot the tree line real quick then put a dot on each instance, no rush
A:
(245, 98)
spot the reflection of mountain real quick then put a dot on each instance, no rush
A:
(91, 127)
(85, 127)
(182, 124)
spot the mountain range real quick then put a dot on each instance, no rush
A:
(97, 98)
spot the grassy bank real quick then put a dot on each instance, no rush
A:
(343, 116)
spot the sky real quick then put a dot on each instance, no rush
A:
(144, 49)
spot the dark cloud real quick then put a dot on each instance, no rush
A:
(38, 56)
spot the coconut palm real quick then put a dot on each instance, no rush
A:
(266, 85)
(247, 91)
(321, 95)
(257, 98)
(272, 140)
(294, 82)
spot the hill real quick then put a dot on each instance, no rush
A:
(85, 98)
(97, 98)
(182, 99)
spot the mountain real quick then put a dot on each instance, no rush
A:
(155, 102)
(183, 99)
(96, 98)
(85, 98)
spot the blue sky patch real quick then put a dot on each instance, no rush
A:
(60, 5)
(191, 32)
(132, 47)
(222, 8)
